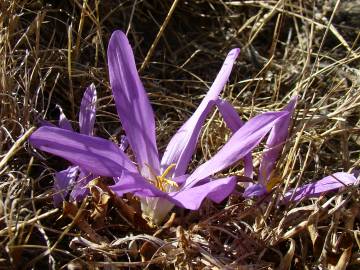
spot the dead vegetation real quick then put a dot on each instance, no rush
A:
(51, 50)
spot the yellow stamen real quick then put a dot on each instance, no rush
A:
(168, 169)
(161, 181)
(171, 182)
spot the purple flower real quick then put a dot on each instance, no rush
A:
(160, 184)
(74, 175)
(273, 148)
(328, 183)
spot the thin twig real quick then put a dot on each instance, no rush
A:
(16, 147)
(159, 34)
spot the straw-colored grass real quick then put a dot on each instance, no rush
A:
(50, 52)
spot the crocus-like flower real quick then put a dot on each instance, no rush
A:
(317, 188)
(273, 148)
(74, 175)
(160, 184)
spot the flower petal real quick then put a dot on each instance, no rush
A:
(63, 121)
(88, 111)
(328, 183)
(239, 145)
(132, 103)
(275, 143)
(255, 190)
(154, 202)
(231, 117)
(156, 208)
(180, 179)
(136, 184)
(216, 190)
(61, 183)
(124, 143)
(80, 189)
(92, 154)
(234, 122)
(182, 145)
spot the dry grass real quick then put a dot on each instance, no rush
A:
(51, 51)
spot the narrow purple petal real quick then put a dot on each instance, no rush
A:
(231, 117)
(80, 189)
(182, 145)
(238, 146)
(234, 122)
(255, 190)
(275, 143)
(328, 183)
(124, 143)
(88, 111)
(132, 103)
(216, 190)
(92, 154)
(61, 183)
(180, 179)
(63, 121)
(136, 184)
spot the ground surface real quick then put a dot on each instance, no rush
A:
(51, 50)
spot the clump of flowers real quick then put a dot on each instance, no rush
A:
(162, 183)
(75, 175)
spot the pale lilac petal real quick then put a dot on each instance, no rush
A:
(80, 189)
(182, 145)
(124, 143)
(61, 183)
(92, 154)
(136, 184)
(275, 143)
(180, 179)
(255, 190)
(88, 111)
(239, 145)
(234, 122)
(216, 190)
(329, 183)
(63, 121)
(230, 115)
(132, 103)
